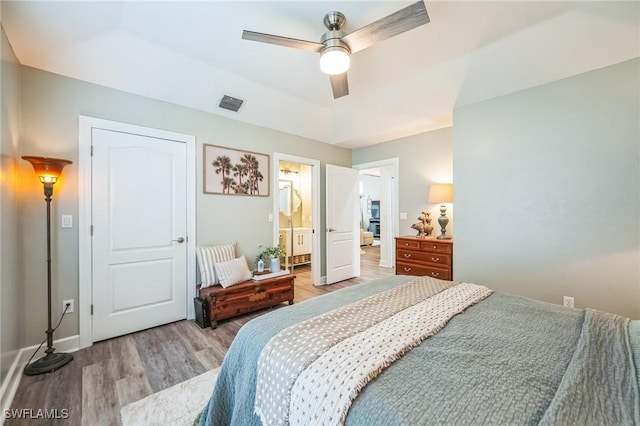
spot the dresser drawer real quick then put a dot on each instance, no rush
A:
(435, 246)
(408, 244)
(423, 257)
(403, 268)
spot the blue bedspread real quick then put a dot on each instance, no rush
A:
(507, 360)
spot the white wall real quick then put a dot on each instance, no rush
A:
(10, 288)
(423, 159)
(547, 191)
(51, 105)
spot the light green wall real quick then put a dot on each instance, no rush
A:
(51, 105)
(423, 159)
(548, 191)
(10, 288)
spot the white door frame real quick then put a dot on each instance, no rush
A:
(394, 210)
(86, 125)
(316, 264)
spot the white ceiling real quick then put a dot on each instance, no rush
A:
(191, 53)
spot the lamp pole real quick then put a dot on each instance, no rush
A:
(48, 193)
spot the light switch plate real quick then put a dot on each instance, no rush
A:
(66, 221)
(403, 215)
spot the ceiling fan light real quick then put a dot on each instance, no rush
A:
(334, 60)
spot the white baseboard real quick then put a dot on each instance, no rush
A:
(10, 385)
(12, 381)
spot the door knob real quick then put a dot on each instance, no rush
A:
(331, 230)
(180, 240)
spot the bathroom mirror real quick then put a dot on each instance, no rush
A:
(289, 200)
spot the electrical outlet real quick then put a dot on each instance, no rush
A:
(568, 301)
(64, 305)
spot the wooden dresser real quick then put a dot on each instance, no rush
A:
(424, 256)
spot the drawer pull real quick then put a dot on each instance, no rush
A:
(407, 269)
(435, 259)
(406, 244)
(407, 255)
(435, 274)
(435, 247)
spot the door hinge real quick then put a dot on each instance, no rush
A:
(92, 309)
(92, 150)
(91, 230)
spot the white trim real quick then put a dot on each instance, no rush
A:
(14, 375)
(395, 207)
(10, 385)
(316, 264)
(86, 125)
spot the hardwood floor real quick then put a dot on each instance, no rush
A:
(113, 373)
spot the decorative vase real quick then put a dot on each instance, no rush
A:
(260, 265)
(275, 264)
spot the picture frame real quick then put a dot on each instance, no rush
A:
(229, 171)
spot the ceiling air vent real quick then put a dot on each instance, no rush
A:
(232, 104)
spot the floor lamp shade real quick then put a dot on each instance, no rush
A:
(48, 170)
(442, 193)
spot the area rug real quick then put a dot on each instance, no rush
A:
(176, 406)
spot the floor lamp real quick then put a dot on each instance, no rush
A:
(48, 169)
(442, 193)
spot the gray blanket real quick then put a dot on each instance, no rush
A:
(507, 360)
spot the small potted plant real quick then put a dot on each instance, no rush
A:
(273, 255)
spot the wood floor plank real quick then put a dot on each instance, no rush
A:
(132, 388)
(104, 377)
(211, 358)
(61, 395)
(100, 404)
(125, 348)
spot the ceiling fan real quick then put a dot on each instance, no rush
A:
(335, 46)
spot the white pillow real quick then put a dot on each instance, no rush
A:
(233, 271)
(208, 256)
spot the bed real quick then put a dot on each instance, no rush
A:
(503, 359)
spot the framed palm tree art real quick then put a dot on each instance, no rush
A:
(231, 171)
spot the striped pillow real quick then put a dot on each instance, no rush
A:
(233, 272)
(208, 256)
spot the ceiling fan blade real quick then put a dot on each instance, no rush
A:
(282, 41)
(390, 26)
(339, 85)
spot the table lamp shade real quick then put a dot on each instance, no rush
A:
(441, 193)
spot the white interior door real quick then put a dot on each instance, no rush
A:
(139, 199)
(343, 230)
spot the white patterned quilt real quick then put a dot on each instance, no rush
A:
(310, 372)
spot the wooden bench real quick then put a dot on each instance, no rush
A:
(247, 297)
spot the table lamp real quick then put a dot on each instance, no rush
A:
(442, 193)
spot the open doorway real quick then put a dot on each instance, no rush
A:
(296, 213)
(378, 186)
